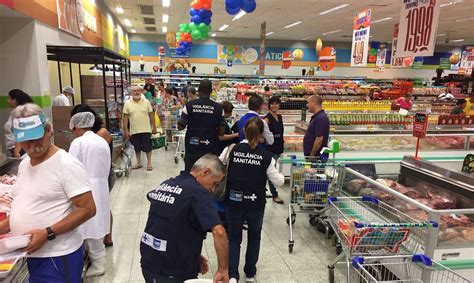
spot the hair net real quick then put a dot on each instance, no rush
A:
(69, 89)
(82, 120)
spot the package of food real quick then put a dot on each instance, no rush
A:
(387, 182)
(356, 185)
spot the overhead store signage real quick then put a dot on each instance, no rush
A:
(261, 63)
(444, 63)
(418, 25)
(360, 38)
(71, 17)
(236, 55)
(327, 58)
(397, 60)
(467, 60)
(381, 58)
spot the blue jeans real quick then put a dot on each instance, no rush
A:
(235, 220)
(60, 269)
(273, 189)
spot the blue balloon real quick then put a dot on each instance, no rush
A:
(202, 12)
(232, 4)
(248, 5)
(193, 12)
(232, 11)
(207, 21)
(196, 19)
(209, 13)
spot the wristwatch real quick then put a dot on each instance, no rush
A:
(51, 234)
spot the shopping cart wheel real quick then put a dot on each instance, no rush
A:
(182, 155)
(338, 249)
(293, 219)
(128, 168)
(331, 273)
(313, 220)
(119, 174)
(166, 147)
(290, 247)
(176, 159)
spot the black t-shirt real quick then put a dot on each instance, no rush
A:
(277, 129)
(181, 212)
(229, 130)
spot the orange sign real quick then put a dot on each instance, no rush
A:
(327, 58)
(71, 16)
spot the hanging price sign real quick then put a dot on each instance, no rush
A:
(360, 38)
(418, 25)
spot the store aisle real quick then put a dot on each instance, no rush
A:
(307, 263)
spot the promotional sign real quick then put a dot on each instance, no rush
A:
(444, 63)
(261, 63)
(467, 60)
(398, 61)
(236, 55)
(418, 25)
(286, 60)
(381, 58)
(71, 16)
(360, 39)
(420, 125)
(327, 58)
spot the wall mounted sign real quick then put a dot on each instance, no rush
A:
(360, 38)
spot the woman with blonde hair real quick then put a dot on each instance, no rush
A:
(249, 169)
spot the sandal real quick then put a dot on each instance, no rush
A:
(149, 168)
(137, 167)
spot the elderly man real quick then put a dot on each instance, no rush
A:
(139, 114)
(181, 212)
(317, 134)
(52, 197)
(63, 98)
(93, 151)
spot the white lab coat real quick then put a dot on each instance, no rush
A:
(94, 153)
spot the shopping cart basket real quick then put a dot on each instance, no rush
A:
(312, 183)
(366, 226)
(411, 269)
(123, 164)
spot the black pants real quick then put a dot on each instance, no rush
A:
(157, 278)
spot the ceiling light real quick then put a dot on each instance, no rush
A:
(464, 20)
(224, 27)
(127, 22)
(457, 40)
(441, 34)
(213, 35)
(165, 18)
(269, 33)
(119, 10)
(166, 3)
(446, 4)
(164, 29)
(293, 24)
(133, 30)
(239, 15)
(382, 20)
(333, 9)
(331, 32)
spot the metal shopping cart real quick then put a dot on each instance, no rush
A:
(312, 183)
(366, 226)
(172, 134)
(407, 269)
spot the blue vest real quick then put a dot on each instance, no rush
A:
(243, 122)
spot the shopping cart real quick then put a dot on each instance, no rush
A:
(411, 269)
(173, 135)
(122, 166)
(366, 226)
(312, 183)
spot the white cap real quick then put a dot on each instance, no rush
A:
(69, 89)
(82, 120)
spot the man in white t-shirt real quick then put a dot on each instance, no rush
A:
(63, 98)
(51, 198)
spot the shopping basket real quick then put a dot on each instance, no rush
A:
(411, 269)
(158, 141)
(312, 182)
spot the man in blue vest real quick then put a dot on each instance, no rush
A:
(181, 213)
(255, 107)
(205, 121)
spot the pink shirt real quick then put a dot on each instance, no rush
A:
(404, 104)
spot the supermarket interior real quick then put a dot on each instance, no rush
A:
(367, 121)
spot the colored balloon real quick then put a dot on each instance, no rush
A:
(248, 5)
(196, 34)
(232, 4)
(207, 21)
(193, 12)
(232, 11)
(196, 19)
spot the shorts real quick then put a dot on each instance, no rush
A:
(67, 268)
(141, 142)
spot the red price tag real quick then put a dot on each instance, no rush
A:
(420, 125)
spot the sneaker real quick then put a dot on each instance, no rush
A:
(233, 280)
(250, 279)
(277, 199)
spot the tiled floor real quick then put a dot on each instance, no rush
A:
(307, 263)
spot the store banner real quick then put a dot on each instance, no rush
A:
(261, 63)
(381, 58)
(444, 63)
(360, 38)
(397, 60)
(71, 17)
(418, 26)
(467, 60)
(236, 55)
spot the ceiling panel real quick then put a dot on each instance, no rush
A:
(278, 13)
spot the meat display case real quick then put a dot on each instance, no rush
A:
(426, 191)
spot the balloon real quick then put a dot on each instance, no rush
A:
(196, 5)
(202, 27)
(196, 34)
(207, 21)
(178, 34)
(248, 5)
(209, 28)
(192, 26)
(193, 12)
(196, 19)
(204, 35)
(232, 11)
(209, 13)
(207, 6)
(202, 13)
(232, 4)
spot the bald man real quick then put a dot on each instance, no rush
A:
(317, 134)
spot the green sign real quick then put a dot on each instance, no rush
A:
(444, 64)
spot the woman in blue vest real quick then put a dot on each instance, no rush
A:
(249, 169)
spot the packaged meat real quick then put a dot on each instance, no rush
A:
(441, 202)
(468, 234)
(400, 188)
(448, 234)
(382, 195)
(455, 220)
(11, 244)
(418, 215)
(387, 182)
(367, 192)
(356, 185)
(424, 201)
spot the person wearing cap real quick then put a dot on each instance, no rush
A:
(63, 98)
(204, 119)
(93, 152)
(15, 98)
(51, 199)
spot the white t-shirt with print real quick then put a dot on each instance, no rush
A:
(42, 197)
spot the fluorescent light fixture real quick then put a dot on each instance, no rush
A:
(127, 22)
(166, 3)
(269, 33)
(164, 29)
(224, 27)
(119, 10)
(446, 4)
(165, 18)
(441, 34)
(464, 20)
(213, 35)
(457, 40)
(382, 20)
(333, 9)
(239, 15)
(133, 30)
(293, 24)
(331, 32)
